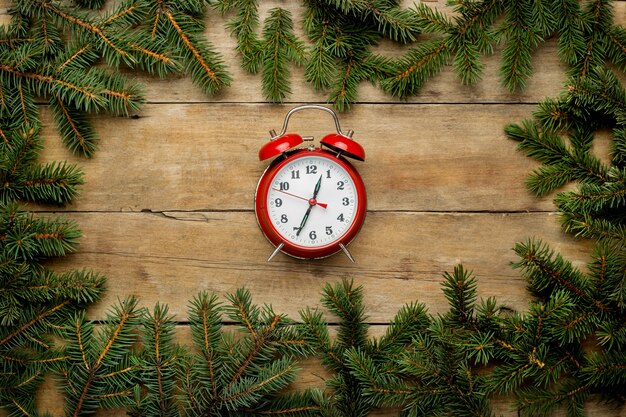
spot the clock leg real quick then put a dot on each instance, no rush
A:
(278, 248)
(345, 250)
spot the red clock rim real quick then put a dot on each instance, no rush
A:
(270, 232)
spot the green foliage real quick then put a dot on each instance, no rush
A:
(158, 362)
(276, 49)
(227, 371)
(431, 371)
(565, 349)
(25, 179)
(35, 303)
(97, 372)
(50, 50)
(351, 349)
(569, 346)
(561, 136)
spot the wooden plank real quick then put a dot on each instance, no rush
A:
(204, 157)
(400, 257)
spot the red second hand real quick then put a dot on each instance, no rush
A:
(322, 205)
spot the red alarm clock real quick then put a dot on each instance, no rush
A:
(310, 202)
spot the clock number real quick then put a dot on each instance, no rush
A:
(284, 186)
(345, 201)
(313, 235)
(278, 202)
(329, 230)
(295, 175)
(340, 185)
(284, 219)
(328, 173)
(311, 169)
(340, 217)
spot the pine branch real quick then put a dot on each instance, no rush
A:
(460, 291)
(243, 27)
(25, 285)
(98, 372)
(181, 30)
(419, 64)
(548, 272)
(278, 47)
(400, 25)
(600, 92)
(76, 132)
(242, 374)
(521, 37)
(571, 35)
(411, 319)
(562, 165)
(114, 50)
(346, 301)
(619, 148)
(160, 363)
(25, 238)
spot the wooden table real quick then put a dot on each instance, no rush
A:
(167, 208)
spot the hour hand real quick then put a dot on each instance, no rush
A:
(317, 188)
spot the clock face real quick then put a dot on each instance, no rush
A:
(311, 202)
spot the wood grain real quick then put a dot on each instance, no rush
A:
(204, 157)
(166, 210)
(171, 256)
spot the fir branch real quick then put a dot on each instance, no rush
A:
(25, 238)
(242, 374)
(278, 47)
(585, 225)
(114, 50)
(619, 148)
(159, 362)
(571, 36)
(98, 372)
(521, 38)
(562, 165)
(29, 286)
(420, 63)
(34, 322)
(411, 319)
(76, 132)
(346, 301)
(198, 57)
(398, 24)
(460, 291)
(547, 271)
(243, 27)
(602, 92)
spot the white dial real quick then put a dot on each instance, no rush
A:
(312, 201)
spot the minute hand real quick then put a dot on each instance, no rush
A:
(312, 202)
(304, 219)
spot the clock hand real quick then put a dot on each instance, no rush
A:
(317, 188)
(304, 219)
(312, 202)
(322, 205)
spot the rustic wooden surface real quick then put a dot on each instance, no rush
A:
(167, 208)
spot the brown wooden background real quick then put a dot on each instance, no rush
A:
(167, 208)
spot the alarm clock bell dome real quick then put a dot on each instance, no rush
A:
(279, 145)
(344, 145)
